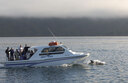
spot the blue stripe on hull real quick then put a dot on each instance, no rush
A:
(44, 61)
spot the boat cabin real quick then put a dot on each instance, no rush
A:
(52, 50)
(48, 51)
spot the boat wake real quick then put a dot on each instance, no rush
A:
(66, 65)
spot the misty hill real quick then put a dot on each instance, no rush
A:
(63, 27)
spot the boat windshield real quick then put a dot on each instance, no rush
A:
(65, 47)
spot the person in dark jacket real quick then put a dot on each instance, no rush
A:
(11, 54)
(7, 53)
(25, 50)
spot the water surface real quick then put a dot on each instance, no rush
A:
(112, 50)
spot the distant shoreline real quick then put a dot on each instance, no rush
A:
(38, 27)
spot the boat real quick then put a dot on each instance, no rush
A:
(54, 54)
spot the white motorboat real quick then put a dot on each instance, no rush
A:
(52, 55)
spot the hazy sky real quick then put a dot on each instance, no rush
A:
(64, 8)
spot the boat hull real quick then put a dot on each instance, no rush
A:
(47, 62)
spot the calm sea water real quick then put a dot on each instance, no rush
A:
(112, 50)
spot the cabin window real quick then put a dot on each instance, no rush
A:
(52, 50)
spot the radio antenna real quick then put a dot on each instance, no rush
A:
(52, 33)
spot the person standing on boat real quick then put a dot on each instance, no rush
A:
(16, 54)
(20, 49)
(25, 49)
(7, 51)
(11, 54)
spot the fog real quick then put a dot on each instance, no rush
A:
(64, 8)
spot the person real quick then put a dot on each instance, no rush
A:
(28, 54)
(25, 50)
(16, 54)
(20, 49)
(11, 54)
(7, 51)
